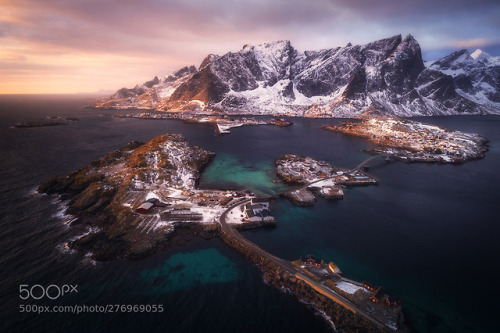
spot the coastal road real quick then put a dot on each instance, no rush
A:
(291, 269)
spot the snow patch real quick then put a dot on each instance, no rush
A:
(349, 287)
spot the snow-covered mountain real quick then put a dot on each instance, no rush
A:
(386, 77)
(149, 95)
(476, 75)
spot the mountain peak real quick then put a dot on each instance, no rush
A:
(476, 54)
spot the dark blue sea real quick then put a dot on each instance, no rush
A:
(428, 233)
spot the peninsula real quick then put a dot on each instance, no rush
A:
(411, 141)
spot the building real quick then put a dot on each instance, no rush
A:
(334, 268)
(378, 295)
(149, 204)
(392, 301)
(370, 286)
(258, 211)
(260, 201)
(312, 260)
(145, 207)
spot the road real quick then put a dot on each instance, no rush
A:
(288, 266)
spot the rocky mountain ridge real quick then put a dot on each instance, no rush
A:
(387, 76)
(476, 75)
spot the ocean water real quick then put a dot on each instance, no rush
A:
(428, 233)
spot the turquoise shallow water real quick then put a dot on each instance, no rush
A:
(229, 171)
(185, 270)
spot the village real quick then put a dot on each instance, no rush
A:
(412, 141)
(366, 296)
(165, 208)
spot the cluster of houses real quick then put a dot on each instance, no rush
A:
(310, 260)
(379, 296)
(281, 122)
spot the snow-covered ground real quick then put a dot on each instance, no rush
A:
(349, 287)
(235, 216)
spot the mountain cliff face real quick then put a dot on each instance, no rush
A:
(476, 76)
(386, 77)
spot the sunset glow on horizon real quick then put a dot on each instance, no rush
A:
(58, 46)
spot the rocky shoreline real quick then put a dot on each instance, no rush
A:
(102, 195)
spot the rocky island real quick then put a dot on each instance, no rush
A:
(318, 178)
(29, 124)
(135, 198)
(412, 141)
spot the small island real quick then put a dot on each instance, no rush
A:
(29, 124)
(317, 178)
(412, 141)
(53, 121)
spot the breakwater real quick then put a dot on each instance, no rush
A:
(280, 273)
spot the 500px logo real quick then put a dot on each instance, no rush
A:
(51, 292)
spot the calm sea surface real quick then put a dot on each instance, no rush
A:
(428, 233)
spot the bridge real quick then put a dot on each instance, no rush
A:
(360, 165)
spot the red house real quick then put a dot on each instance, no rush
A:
(145, 207)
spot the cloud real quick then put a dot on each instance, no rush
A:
(156, 36)
(470, 43)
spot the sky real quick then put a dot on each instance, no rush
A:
(72, 46)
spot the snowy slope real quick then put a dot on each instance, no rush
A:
(476, 76)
